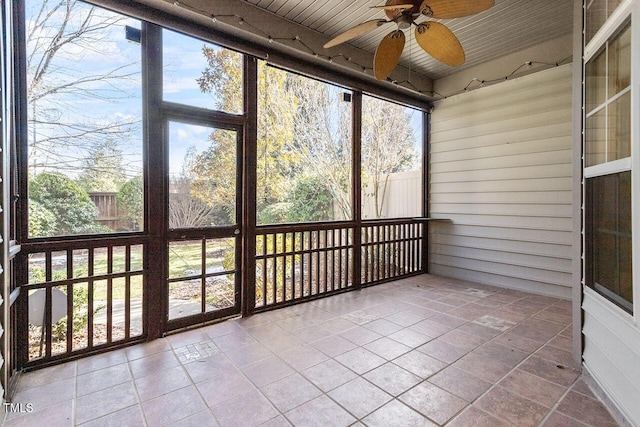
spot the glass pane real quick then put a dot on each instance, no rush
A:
(391, 160)
(137, 296)
(596, 81)
(595, 139)
(185, 259)
(80, 318)
(619, 138)
(608, 237)
(220, 292)
(620, 62)
(85, 113)
(201, 74)
(221, 255)
(304, 149)
(202, 176)
(185, 298)
(596, 16)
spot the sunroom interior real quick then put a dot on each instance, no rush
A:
(210, 218)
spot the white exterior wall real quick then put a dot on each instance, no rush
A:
(501, 171)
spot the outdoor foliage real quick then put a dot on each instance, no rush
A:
(130, 200)
(84, 107)
(304, 145)
(311, 200)
(65, 201)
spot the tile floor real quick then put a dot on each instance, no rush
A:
(423, 351)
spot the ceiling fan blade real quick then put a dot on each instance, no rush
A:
(354, 32)
(446, 9)
(393, 7)
(438, 41)
(388, 54)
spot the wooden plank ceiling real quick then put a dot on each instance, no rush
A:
(510, 26)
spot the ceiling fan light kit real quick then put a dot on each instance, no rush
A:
(433, 37)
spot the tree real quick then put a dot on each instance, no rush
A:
(185, 210)
(304, 137)
(212, 172)
(70, 205)
(311, 200)
(103, 171)
(387, 147)
(42, 222)
(130, 202)
(71, 76)
(322, 137)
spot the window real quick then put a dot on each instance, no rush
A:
(597, 13)
(201, 74)
(608, 204)
(607, 161)
(85, 111)
(608, 101)
(391, 160)
(202, 176)
(304, 149)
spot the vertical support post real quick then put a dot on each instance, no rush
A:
(426, 146)
(356, 182)
(249, 183)
(22, 153)
(156, 202)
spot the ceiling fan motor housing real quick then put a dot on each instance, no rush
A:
(404, 21)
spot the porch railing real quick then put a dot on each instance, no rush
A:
(83, 298)
(298, 262)
(304, 261)
(390, 249)
(86, 295)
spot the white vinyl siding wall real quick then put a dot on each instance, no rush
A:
(501, 171)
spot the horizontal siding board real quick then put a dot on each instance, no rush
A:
(528, 123)
(558, 265)
(501, 172)
(538, 197)
(542, 131)
(513, 209)
(508, 270)
(502, 233)
(556, 101)
(520, 185)
(539, 223)
(521, 247)
(520, 90)
(505, 149)
(611, 352)
(529, 159)
(532, 286)
(618, 386)
(505, 174)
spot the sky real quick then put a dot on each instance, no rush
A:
(183, 64)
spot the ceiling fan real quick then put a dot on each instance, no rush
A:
(433, 37)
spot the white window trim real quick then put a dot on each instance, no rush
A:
(614, 22)
(628, 9)
(615, 166)
(635, 156)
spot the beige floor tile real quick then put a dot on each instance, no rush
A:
(437, 404)
(392, 378)
(509, 406)
(172, 407)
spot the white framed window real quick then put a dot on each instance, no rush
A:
(608, 147)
